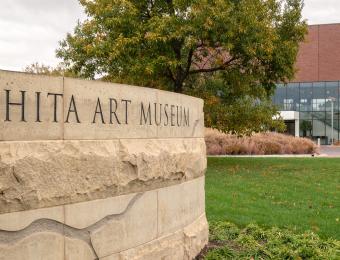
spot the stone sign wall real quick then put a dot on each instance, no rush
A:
(92, 170)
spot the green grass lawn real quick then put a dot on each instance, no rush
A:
(298, 193)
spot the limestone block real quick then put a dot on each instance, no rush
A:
(82, 215)
(167, 248)
(76, 249)
(180, 205)
(196, 237)
(24, 87)
(126, 104)
(161, 159)
(92, 170)
(56, 108)
(184, 244)
(129, 112)
(19, 220)
(138, 225)
(51, 173)
(37, 246)
(196, 120)
(134, 226)
(112, 257)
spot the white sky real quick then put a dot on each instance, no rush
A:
(31, 29)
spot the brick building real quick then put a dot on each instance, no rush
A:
(310, 103)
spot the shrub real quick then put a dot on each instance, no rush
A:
(227, 241)
(219, 143)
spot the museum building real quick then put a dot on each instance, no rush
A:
(309, 104)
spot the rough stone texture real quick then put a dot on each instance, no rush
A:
(195, 237)
(51, 173)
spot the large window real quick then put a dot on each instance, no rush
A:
(319, 96)
(288, 104)
(318, 104)
(306, 96)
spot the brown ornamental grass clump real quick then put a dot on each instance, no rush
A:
(219, 143)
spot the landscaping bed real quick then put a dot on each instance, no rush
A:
(281, 208)
(219, 143)
(227, 241)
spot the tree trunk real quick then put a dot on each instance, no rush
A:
(178, 86)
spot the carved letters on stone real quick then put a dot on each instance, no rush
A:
(172, 115)
(94, 170)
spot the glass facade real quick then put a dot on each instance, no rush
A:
(314, 102)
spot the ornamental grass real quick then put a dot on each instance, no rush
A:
(219, 143)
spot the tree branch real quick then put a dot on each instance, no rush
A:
(170, 74)
(171, 6)
(190, 55)
(222, 67)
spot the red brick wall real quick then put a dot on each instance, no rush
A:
(319, 55)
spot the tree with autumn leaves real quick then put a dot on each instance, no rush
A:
(229, 52)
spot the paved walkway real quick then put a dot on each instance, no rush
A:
(329, 151)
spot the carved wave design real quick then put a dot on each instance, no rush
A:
(50, 225)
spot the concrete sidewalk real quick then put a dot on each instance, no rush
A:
(329, 151)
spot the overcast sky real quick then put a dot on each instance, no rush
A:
(30, 29)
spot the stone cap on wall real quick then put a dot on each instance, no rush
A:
(35, 107)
